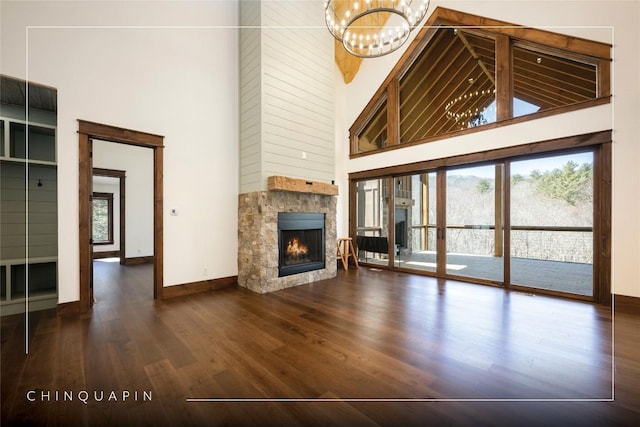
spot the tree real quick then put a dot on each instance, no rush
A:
(517, 178)
(571, 183)
(483, 186)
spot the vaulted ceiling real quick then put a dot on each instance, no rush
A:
(451, 85)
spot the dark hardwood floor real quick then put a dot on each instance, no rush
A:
(368, 348)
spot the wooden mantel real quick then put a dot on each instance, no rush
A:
(283, 183)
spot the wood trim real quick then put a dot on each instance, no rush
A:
(123, 218)
(158, 221)
(441, 224)
(604, 78)
(88, 131)
(504, 79)
(353, 220)
(602, 223)
(366, 115)
(520, 32)
(84, 190)
(498, 209)
(497, 124)
(138, 260)
(106, 254)
(117, 134)
(533, 148)
(506, 235)
(68, 309)
(197, 287)
(113, 173)
(626, 304)
(391, 206)
(283, 183)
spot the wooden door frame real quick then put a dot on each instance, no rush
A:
(87, 131)
(121, 176)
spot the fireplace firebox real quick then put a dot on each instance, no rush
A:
(301, 242)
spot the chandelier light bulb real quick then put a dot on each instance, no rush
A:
(388, 23)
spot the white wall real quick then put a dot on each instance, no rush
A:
(286, 94)
(614, 22)
(104, 184)
(177, 82)
(137, 162)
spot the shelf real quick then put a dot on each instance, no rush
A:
(39, 260)
(3, 282)
(41, 142)
(282, 183)
(42, 302)
(27, 161)
(42, 281)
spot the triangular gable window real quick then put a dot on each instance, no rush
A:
(463, 73)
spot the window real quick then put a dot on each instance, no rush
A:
(546, 81)
(374, 135)
(464, 73)
(102, 218)
(451, 86)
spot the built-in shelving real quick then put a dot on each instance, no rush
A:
(28, 197)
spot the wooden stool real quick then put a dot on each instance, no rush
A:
(346, 250)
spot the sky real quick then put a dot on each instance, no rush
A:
(525, 167)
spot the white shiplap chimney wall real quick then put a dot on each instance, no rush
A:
(286, 93)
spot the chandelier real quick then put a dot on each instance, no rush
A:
(372, 28)
(470, 109)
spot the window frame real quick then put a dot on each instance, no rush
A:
(506, 36)
(110, 221)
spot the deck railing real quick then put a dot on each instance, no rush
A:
(557, 243)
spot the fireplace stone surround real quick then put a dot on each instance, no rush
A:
(258, 246)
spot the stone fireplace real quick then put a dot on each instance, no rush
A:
(294, 215)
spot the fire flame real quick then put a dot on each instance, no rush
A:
(295, 248)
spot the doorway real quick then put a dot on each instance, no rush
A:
(87, 132)
(115, 219)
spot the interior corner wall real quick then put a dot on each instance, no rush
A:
(614, 22)
(168, 68)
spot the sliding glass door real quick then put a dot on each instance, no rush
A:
(522, 222)
(552, 223)
(415, 222)
(474, 222)
(372, 221)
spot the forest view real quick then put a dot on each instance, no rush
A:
(541, 196)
